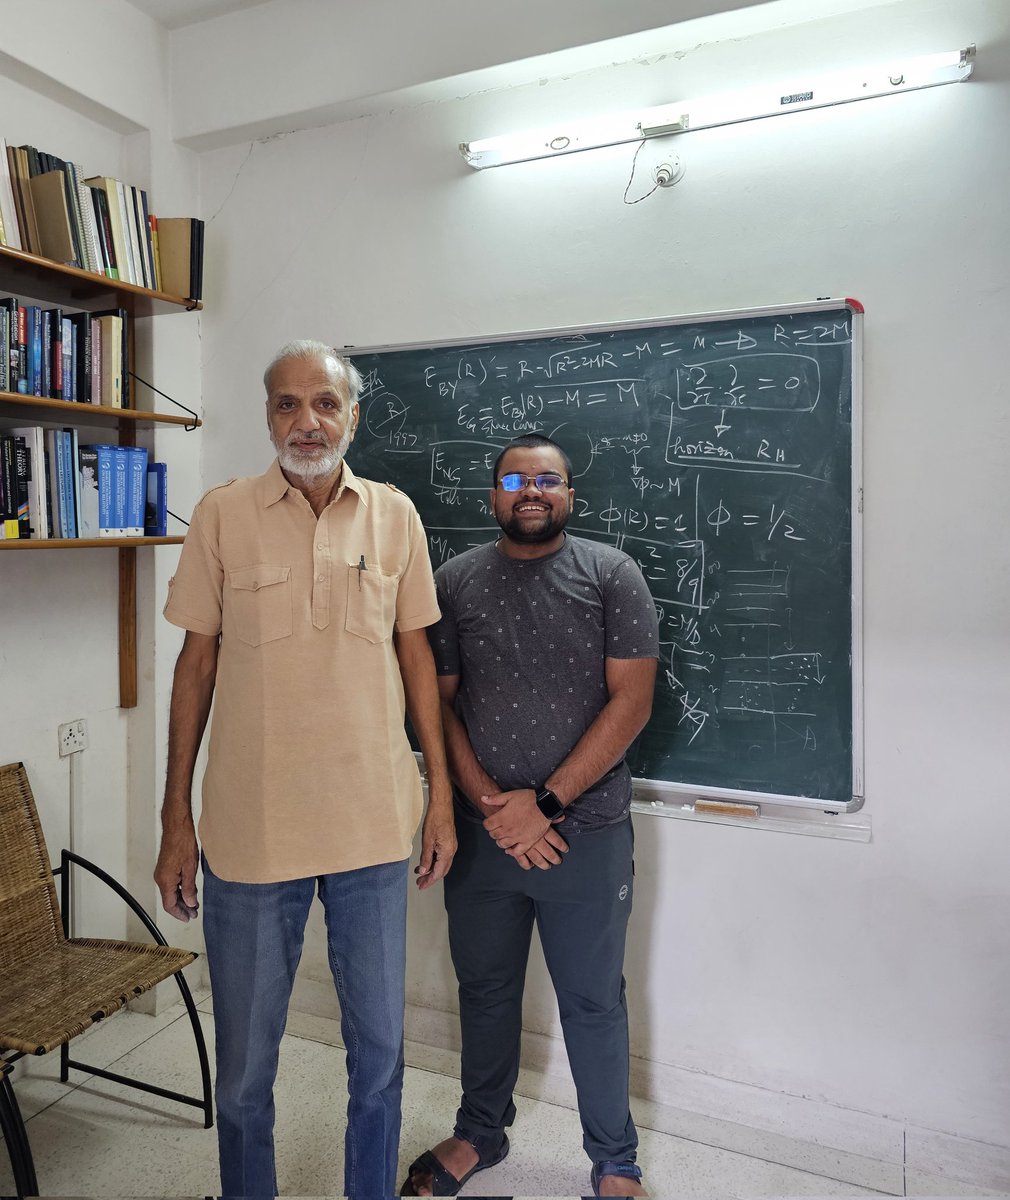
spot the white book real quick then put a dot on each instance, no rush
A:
(92, 245)
(127, 224)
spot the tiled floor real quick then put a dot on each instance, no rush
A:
(94, 1138)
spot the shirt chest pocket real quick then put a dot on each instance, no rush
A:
(371, 603)
(261, 602)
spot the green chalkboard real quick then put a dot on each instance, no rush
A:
(718, 451)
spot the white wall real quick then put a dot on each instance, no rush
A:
(870, 976)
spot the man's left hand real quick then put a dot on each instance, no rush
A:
(438, 845)
(518, 824)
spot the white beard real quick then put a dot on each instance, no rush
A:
(293, 462)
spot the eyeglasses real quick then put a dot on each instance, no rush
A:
(516, 481)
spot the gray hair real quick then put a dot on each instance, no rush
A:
(309, 349)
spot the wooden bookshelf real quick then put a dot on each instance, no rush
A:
(40, 408)
(35, 279)
(40, 279)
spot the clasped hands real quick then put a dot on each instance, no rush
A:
(522, 831)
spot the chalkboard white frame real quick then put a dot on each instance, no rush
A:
(652, 794)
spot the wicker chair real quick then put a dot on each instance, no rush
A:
(53, 987)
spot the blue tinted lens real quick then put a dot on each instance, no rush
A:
(516, 481)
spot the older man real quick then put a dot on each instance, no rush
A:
(546, 654)
(305, 593)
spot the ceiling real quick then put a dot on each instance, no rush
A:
(174, 14)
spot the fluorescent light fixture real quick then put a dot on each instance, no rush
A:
(840, 87)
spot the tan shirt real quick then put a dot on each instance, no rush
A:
(309, 769)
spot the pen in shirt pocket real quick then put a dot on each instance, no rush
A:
(360, 567)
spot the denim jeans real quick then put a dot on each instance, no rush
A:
(254, 936)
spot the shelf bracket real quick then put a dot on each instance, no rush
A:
(166, 396)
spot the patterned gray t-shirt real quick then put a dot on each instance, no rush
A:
(529, 639)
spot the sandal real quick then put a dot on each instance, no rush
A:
(627, 1170)
(443, 1182)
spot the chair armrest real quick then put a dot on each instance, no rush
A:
(67, 857)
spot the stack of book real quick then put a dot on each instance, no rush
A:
(53, 487)
(65, 356)
(49, 208)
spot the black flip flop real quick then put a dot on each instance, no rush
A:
(443, 1182)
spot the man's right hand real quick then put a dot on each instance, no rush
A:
(175, 873)
(545, 854)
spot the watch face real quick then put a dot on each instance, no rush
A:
(549, 804)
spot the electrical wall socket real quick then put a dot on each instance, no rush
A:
(73, 737)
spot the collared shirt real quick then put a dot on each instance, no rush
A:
(309, 769)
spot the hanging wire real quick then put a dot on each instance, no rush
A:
(631, 178)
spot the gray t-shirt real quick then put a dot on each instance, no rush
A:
(529, 639)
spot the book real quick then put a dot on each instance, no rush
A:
(156, 510)
(57, 523)
(46, 359)
(140, 230)
(86, 208)
(23, 474)
(5, 349)
(66, 472)
(120, 490)
(74, 452)
(56, 238)
(100, 204)
(136, 495)
(110, 337)
(22, 354)
(130, 237)
(96, 360)
(38, 492)
(33, 326)
(122, 358)
(80, 323)
(145, 229)
(106, 471)
(8, 208)
(20, 171)
(87, 459)
(156, 251)
(67, 365)
(52, 374)
(114, 211)
(175, 238)
(10, 526)
(9, 351)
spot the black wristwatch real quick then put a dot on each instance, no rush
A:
(549, 804)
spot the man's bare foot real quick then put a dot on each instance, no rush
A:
(619, 1185)
(457, 1157)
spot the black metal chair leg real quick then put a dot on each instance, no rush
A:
(16, 1137)
(201, 1049)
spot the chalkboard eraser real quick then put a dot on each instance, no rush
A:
(726, 808)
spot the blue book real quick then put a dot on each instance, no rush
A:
(119, 490)
(65, 472)
(75, 478)
(33, 316)
(106, 471)
(156, 514)
(136, 496)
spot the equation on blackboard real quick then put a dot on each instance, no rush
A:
(715, 450)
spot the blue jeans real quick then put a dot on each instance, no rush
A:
(254, 934)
